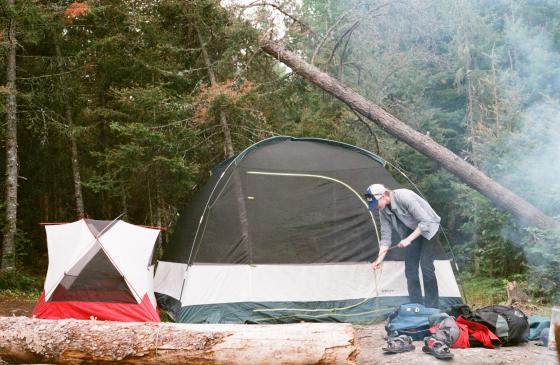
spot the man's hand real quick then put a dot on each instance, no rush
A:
(408, 240)
(382, 252)
(404, 243)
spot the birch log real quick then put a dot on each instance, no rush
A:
(469, 174)
(26, 340)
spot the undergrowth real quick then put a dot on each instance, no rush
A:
(484, 291)
(17, 283)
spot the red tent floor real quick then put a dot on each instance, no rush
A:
(103, 311)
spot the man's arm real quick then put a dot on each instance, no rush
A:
(385, 240)
(405, 242)
(411, 237)
(428, 221)
(380, 257)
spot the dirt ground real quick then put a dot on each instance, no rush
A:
(16, 306)
(370, 341)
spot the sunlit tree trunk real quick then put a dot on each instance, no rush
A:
(476, 263)
(124, 203)
(8, 246)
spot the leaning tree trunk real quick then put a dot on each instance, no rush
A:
(25, 340)
(8, 245)
(422, 143)
(73, 144)
(228, 145)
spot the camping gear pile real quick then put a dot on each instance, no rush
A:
(457, 327)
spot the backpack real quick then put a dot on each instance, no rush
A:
(411, 320)
(508, 323)
(457, 310)
(474, 334)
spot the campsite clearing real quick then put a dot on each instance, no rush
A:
(370, 341)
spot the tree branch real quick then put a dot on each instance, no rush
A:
(280, 9)
(327, 33)
(347, 32)
(371, 132)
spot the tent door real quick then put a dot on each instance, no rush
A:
(94, 280)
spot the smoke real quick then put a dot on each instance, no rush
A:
(530, 164)
(532, 170)
(529, 157)
(526, 158)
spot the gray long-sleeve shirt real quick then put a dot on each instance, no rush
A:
(407, 210)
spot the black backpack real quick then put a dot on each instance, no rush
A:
(508, 323)
(459, 310)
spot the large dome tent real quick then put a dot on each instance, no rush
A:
(280, 233)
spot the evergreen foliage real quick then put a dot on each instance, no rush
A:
(480, 77)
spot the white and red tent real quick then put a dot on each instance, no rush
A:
(99, 269)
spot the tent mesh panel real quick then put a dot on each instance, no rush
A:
(98, 281)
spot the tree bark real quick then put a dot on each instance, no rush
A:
(8, 245)
(469, 174)
(515, 294)
(73, 144)
(80, 209)
(69, 341)
(228, 145)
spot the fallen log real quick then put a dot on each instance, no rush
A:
(473, 177)
(26, 340)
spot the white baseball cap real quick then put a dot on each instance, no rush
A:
(373, 193)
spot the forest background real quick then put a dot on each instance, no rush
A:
(124, 106)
